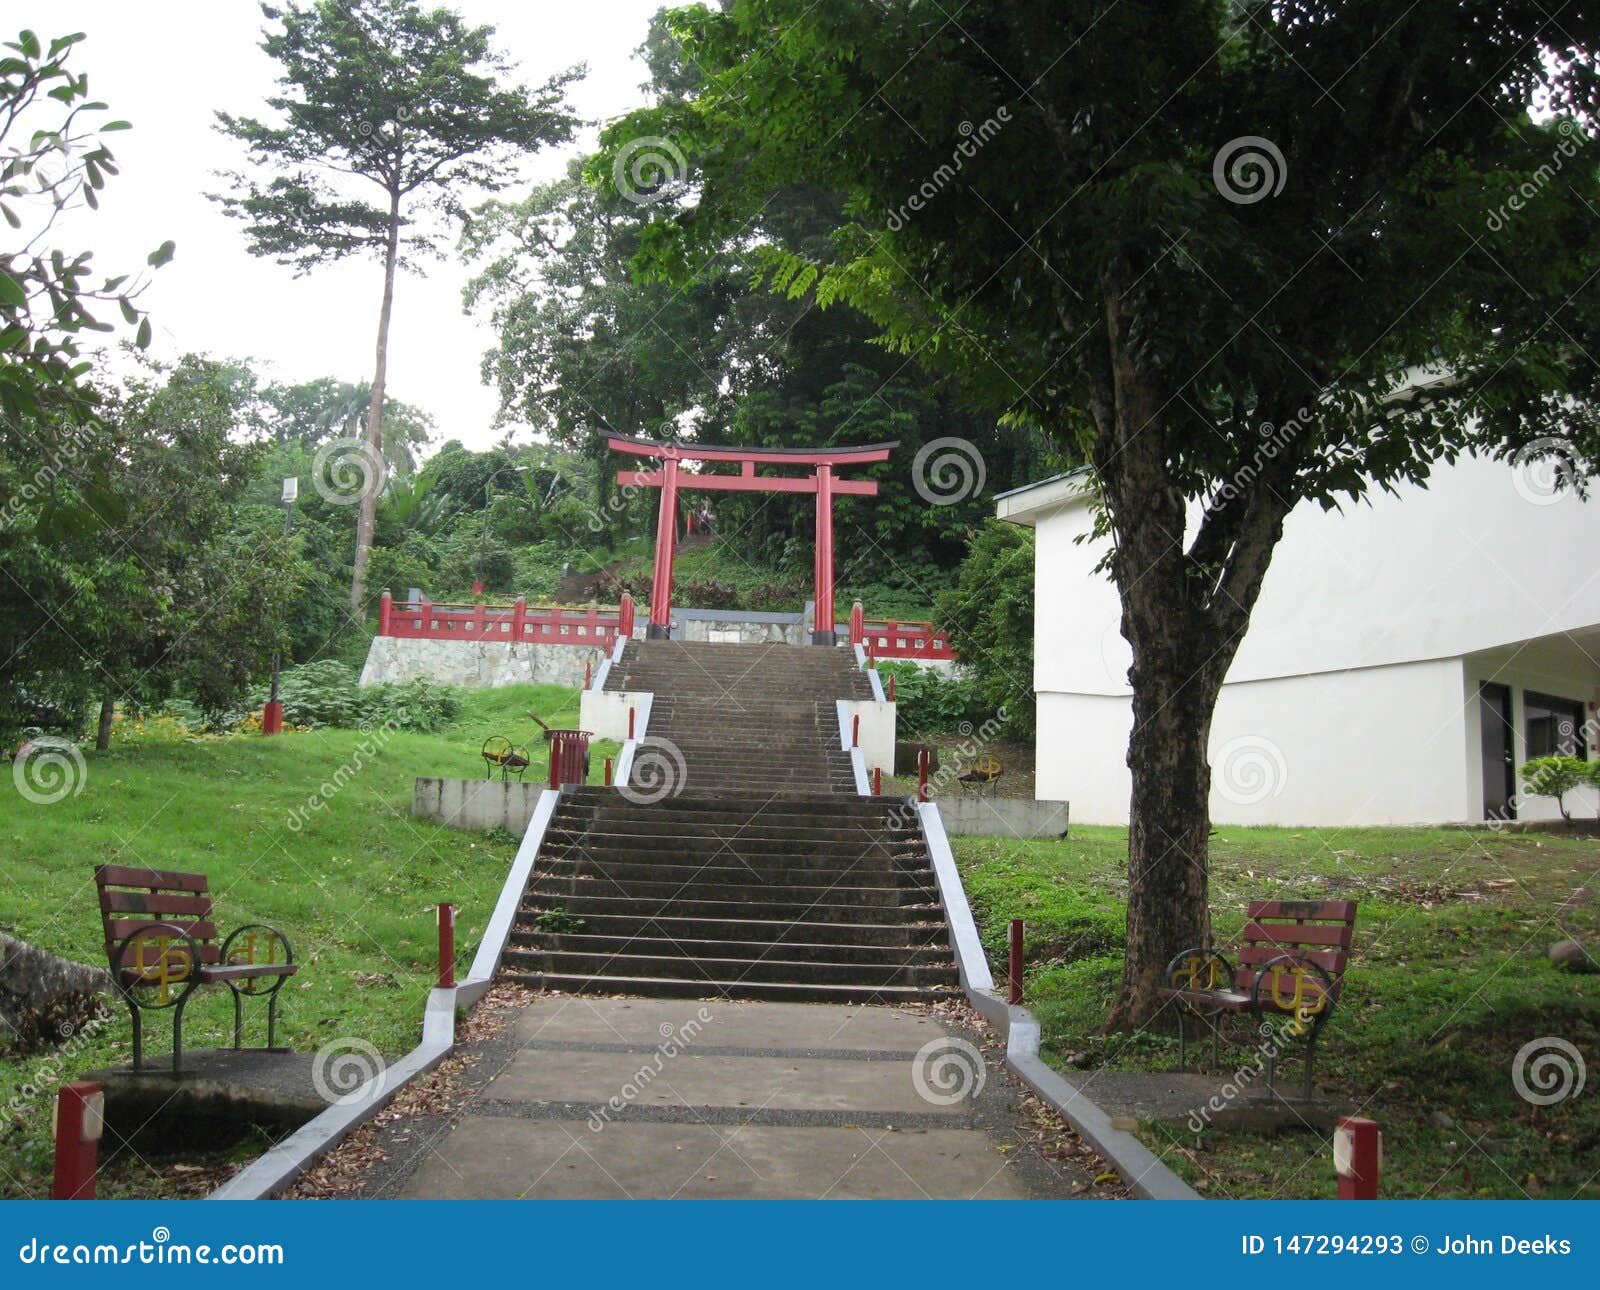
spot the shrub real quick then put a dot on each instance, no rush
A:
(326, 693)
(934, 702)
(1556, 777)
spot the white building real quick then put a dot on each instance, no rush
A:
(1407, 654)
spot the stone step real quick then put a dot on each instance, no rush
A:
(923, 954)
(757, 896)
(701, 988)
(624, 872)
(756, 840)
(714, 829)
(808, 911)
(765, 931)
(769, 970)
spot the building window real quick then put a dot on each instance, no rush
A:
(1554, 727)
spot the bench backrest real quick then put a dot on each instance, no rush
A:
(1318, 930)
(130, 898)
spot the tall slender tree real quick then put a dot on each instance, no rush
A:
(385, 94)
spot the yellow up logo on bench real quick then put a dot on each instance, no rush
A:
(171, 966)
(1200, 972)
(1305, 1005)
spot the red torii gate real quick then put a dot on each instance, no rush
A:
(821, 482)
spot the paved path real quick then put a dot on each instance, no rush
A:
(583, 1097)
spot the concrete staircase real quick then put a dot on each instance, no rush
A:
(757, 872)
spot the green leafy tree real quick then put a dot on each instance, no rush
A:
(53, 159)
(312, 412)
(989, 616)
(1556, 777)
(1240, 256)
(386, 95)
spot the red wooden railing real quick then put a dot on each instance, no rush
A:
(516, 623)
(885, 638)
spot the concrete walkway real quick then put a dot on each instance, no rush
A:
(583, 1096)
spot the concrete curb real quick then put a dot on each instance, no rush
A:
(279, 1166)
(1136, 1163)
(641, 726)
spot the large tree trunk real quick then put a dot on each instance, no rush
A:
(102, 734)
(368, 514)
(1186, 603)
(1169, 820)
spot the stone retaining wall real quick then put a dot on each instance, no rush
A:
(477, 664)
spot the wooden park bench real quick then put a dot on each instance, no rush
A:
(161, 944)
(984, 773)
(500, 751)
(1291, 961)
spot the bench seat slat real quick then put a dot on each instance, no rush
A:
(239, 971)
(1330, 961)
(116, 875)
(118, 928)
(1330, 934)
(1325, 911)
(153, 902)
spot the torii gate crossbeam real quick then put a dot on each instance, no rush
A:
(822, 483)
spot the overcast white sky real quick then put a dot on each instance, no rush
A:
(166, 67)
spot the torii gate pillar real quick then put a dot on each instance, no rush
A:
(822, 483)
(659, 628)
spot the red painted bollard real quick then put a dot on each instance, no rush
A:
(447, 947)
(1014, 963)
(588, 675)
(855, 731)
(630, 723)
(608, 772)
(1357, 1157)
(922, 774)
(80, 1118)
(891, 687)
(272, 717)
(877, 781)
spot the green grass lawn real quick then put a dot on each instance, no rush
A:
(354, 888)
(1448, 979)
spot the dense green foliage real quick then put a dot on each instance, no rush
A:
(989, 616)
(1133, 228)
(325, 693)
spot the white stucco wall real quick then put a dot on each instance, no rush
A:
(1356, 686)
(1467, 564)
(1379, 746)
